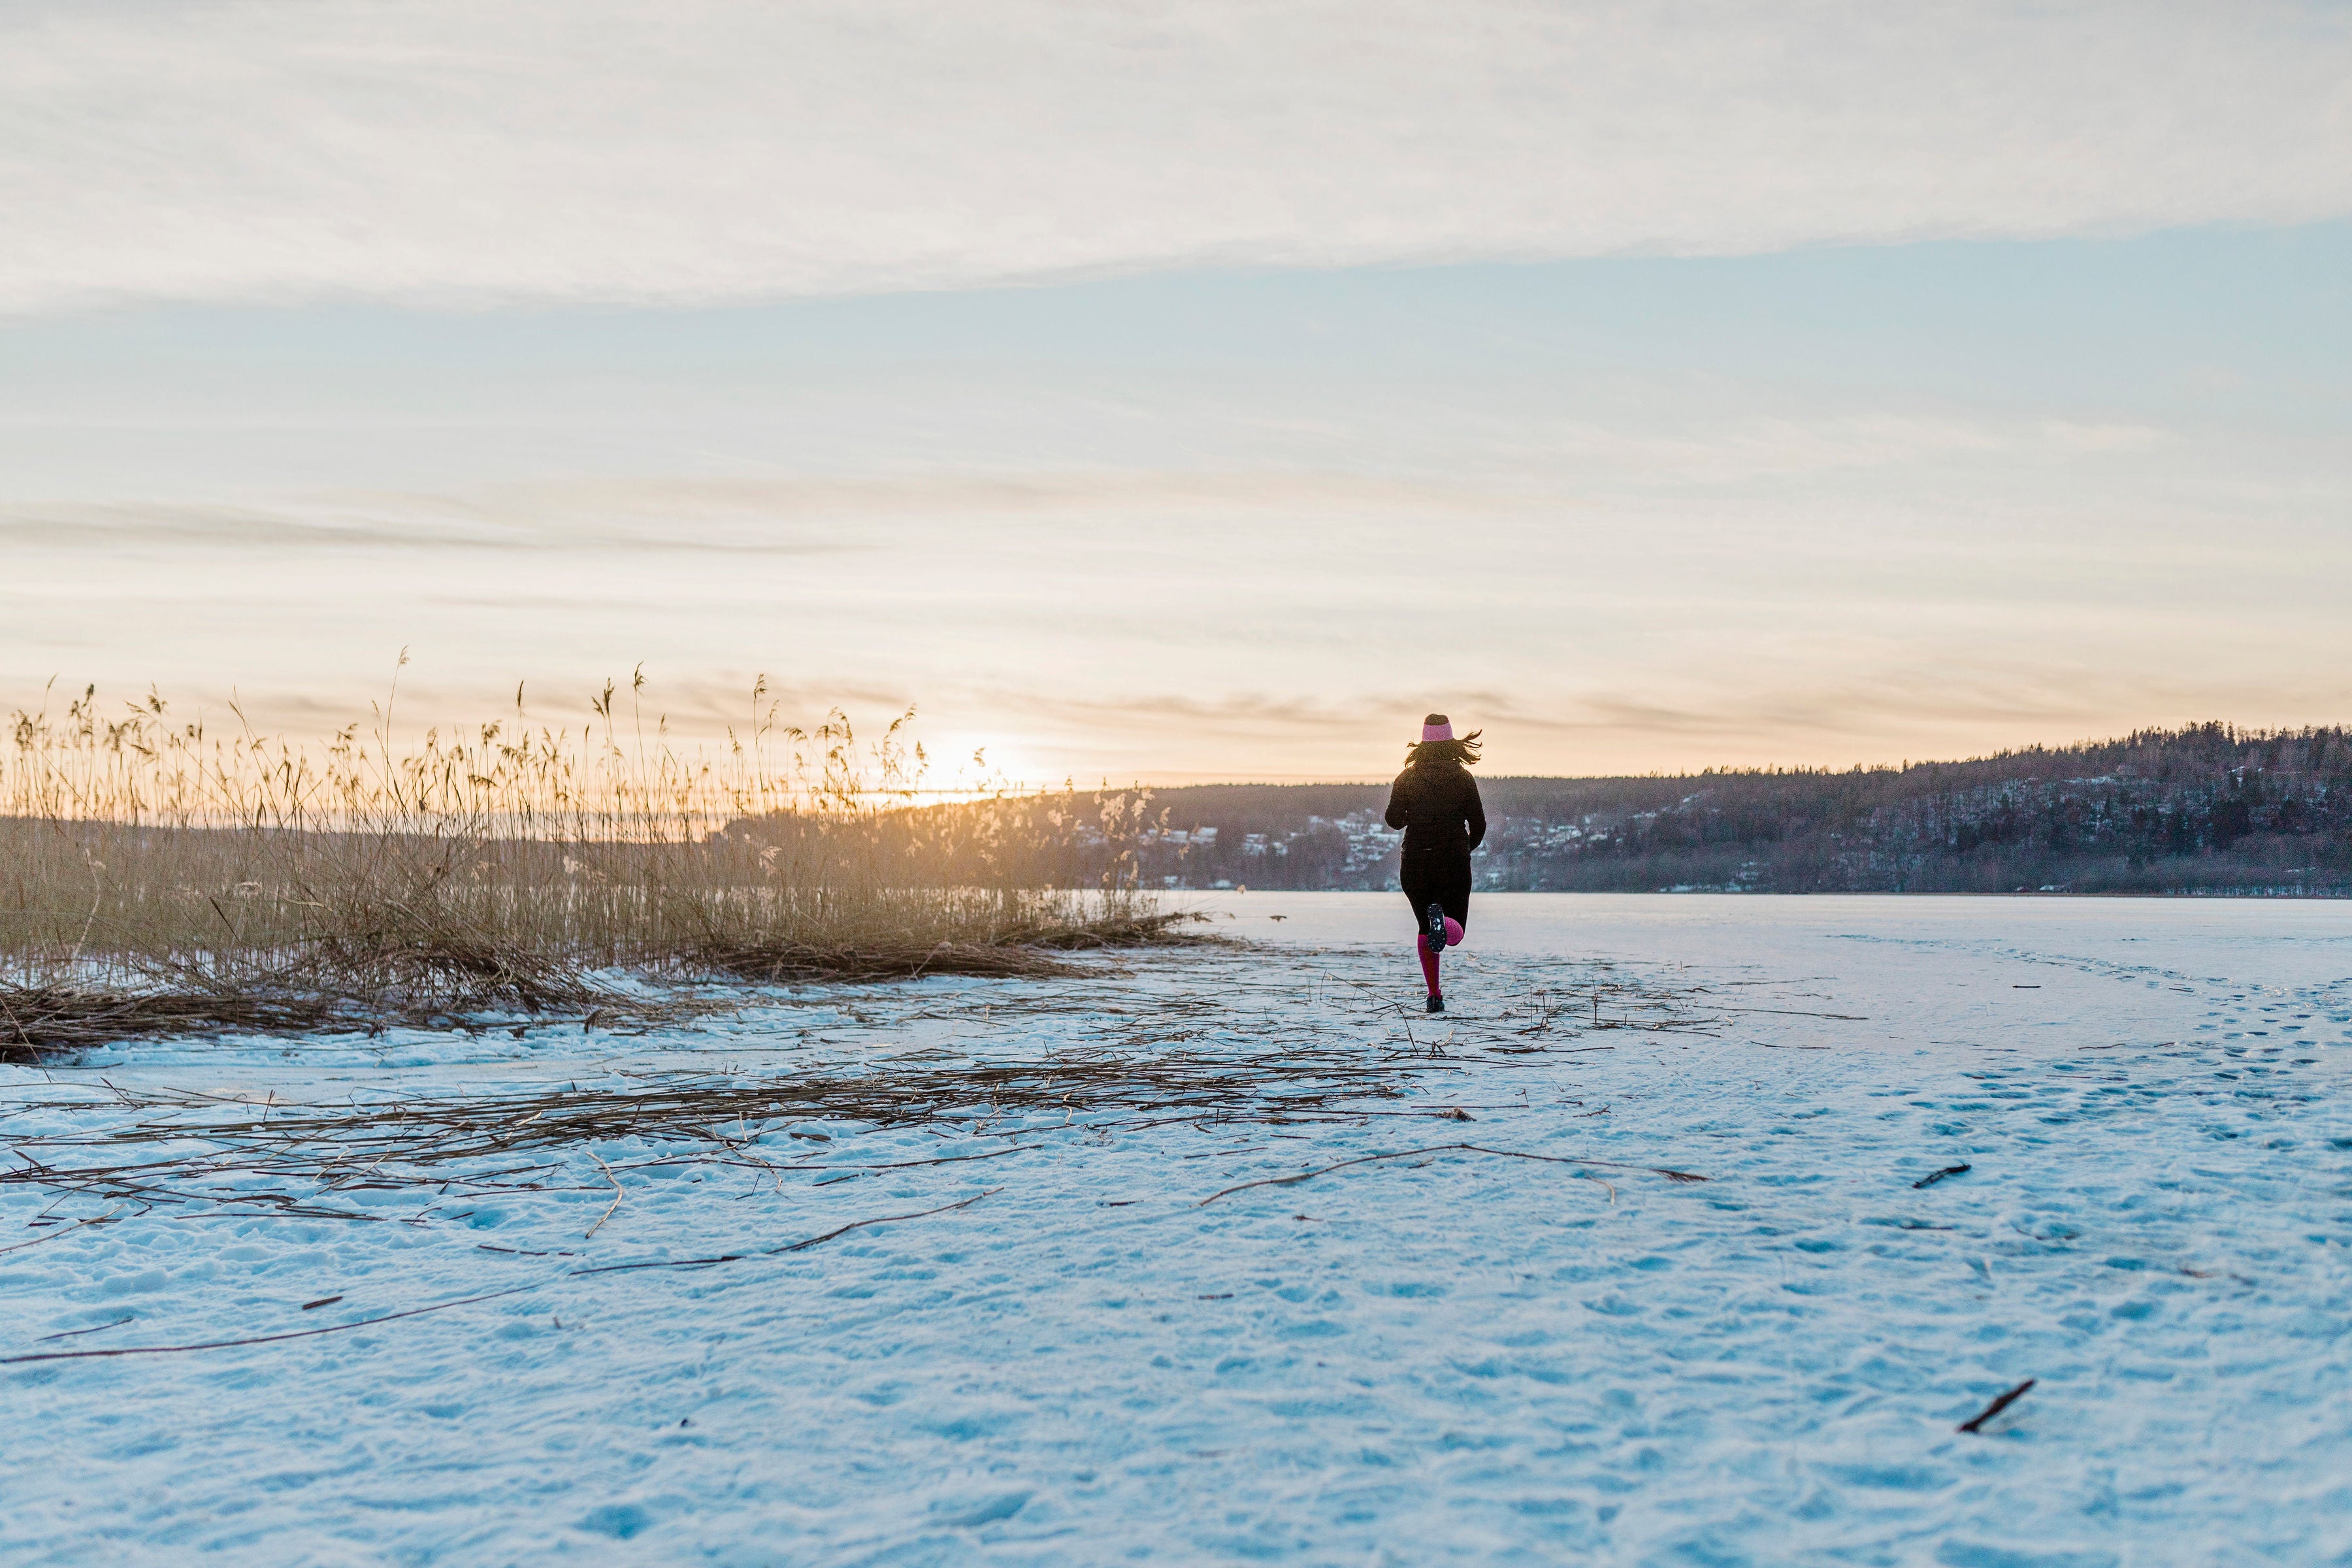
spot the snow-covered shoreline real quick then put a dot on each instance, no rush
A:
(1457, 1356)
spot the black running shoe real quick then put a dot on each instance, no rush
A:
(1436, 923)
(1437, 1004)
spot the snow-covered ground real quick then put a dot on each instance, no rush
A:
(1458, 1357)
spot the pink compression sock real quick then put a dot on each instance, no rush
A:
(1428, 963)
(1453, 932)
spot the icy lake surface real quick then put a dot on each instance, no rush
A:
(1456, 1357)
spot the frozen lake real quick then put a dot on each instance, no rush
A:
(1462, 1356)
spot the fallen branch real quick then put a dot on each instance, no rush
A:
(1977, 1422)
(1449, 1148)
(1932, 1177)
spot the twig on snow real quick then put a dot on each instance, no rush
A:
(801, 1245)
(1449, 1148)
(268, 1338)
(99, 1329)
(78, 1225)
(1976, 1422)
(787, 1246)
(617, 1196)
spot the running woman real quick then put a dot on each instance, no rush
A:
(1435, 801)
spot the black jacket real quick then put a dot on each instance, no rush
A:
(1439, 810)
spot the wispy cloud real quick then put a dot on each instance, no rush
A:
(1152, 623)
(695, 150)
(426, 524)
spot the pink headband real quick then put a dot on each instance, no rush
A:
(1436, 728)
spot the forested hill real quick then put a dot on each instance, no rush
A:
(2209, 809)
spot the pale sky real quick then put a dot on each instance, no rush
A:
(1191, 392)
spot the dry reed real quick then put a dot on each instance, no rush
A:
(159, 876)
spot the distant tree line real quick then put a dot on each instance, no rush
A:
(2206, 809)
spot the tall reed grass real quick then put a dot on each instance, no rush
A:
(503, 864)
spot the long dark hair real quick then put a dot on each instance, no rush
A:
(1462, 754)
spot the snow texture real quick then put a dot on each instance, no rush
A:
(1455, 1358)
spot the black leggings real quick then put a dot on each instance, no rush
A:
(1442, 880)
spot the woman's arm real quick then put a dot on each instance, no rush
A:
(1396, 816)
(1477, 815)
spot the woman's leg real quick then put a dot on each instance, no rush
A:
(1421, 891)
(1454, 896)
(1447, 886)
